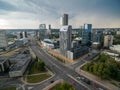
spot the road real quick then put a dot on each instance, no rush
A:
(61, 71)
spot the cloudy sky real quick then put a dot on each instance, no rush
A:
(31, 13)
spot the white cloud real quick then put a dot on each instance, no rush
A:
(30, 13)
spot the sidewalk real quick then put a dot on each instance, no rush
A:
(53, 84)
(104, 83)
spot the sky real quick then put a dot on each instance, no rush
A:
(19, 14)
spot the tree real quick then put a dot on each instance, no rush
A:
(95, 68)
(105, 73)
(41, 65)
(113, 70)
(100, 69)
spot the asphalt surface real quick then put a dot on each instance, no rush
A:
(60, 69)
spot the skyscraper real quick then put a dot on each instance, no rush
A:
(86, 36)
(64, 20)
(65, 39)
(42, 26)
(3, 39)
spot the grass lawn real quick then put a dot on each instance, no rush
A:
(37, 78)
(10, 88)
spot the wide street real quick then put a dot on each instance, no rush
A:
(61, 71)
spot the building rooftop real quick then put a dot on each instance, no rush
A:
(2, 59)
(23, 60)
(65, 28)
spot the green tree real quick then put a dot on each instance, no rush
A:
(41, 65)
(95, 68)
(105, 73)
(100, 69)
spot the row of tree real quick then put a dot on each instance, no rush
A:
(105, 67)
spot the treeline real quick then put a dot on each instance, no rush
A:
(104, 66)
(116, 39)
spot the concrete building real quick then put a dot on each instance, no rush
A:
(86, 35)
(19, 68)
(115, 48)
(48, 44)
(42, 34)
(42, 26)
(65, 39)
(118, 32)
(77, 52)
(64, 20)
(96, 45)
(21, 35)
(97, 36)
(4, 64)
(3, 39)
(108, 40)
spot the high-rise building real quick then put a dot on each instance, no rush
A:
(108, 40)
(65, 39)
(64, 20)
(86, 35)
(21, 35)
(42, 26)
(3, 39)
(49, 27)
(97, 36)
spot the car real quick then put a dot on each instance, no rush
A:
(78, 78)
(51, 81)
(87, 81)
(82, 78)
(100, 89)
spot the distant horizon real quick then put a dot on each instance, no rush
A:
(59, 28)
(17, 14)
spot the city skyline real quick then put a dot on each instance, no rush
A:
(31, 13)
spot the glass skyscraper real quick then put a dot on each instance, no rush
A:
(86, 34)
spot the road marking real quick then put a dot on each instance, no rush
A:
(78, 81)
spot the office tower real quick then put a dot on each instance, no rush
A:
(3, 39)
(25, 34)
(42, 31)
(97, 36)
(86, 35)
(64, 20)
(42, 26)
(49, 27)
(108, 40)
(21, 35)
(65, 39)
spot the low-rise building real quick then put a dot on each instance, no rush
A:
(19, 68)
(4, 64)
(115, 48)
(118, 32)
(77, 52)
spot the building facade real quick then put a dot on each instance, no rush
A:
(86, 35)
(108, 40)
(4, 64)
(65, 39)
(64, 20)
(3, 39)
